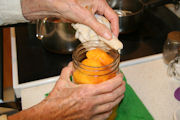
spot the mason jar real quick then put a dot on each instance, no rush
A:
(171, 47)
(84, 74)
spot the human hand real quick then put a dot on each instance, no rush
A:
(78, 11)
(83, 101)
(69, 101)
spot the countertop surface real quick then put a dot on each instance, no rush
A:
(148, 79)
(154, 87)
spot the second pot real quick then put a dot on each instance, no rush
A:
(133, 11)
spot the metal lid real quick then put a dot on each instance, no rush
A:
(174, 36)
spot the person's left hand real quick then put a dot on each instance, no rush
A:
(70, 101)
(84, 101)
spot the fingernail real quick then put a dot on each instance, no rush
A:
(107, 36)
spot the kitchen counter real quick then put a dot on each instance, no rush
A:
(148, 78)
(153, 86)
(172, 8)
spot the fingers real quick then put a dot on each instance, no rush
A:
(112, 96)
(65, 75)
(114, 20)
(99, 28)
(107, 86)
(108, 12)
(103, 116)
(70, 65)
(108, 106)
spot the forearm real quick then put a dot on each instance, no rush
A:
(33, 113)
(46, 110)
(10, 12)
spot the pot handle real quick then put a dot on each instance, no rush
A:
(157, 3)
(40, 25)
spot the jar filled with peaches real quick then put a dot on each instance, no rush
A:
(95, 62)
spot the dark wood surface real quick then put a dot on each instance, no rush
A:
(1, 64)
(7, 64)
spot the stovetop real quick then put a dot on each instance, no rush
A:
(35, 62)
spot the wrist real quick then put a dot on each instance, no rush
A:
(33, 113)
(34, 9)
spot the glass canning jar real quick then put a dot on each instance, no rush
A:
(172, 46)
(84, 74)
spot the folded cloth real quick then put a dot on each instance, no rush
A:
(3, 117)
(85, 33)
(131, 107)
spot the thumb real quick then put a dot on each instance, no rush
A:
(66, 72)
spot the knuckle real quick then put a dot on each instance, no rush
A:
(88, 18)
(111, 97)
(115, 95)
(121, 75)
(85, 101)
(122, 96)
(109, 107)
(114, 16)
(87, 90)
(111, 88)
(124, 88)
(64, 70)
(119, 99)
(88, 107)
(92, 89)
(107, 115)
(83, 93)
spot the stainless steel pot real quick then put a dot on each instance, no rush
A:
(56, 37)
(134, 8)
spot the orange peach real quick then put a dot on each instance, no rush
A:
(92, 71)
(100, 55)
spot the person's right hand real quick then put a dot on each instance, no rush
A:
(84, 101)
(78, 11)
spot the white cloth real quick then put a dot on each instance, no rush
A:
(85, 33)
(3, 117)
(11, 12)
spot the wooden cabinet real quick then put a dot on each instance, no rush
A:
(7, 64)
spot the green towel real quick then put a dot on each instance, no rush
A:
(131, 107)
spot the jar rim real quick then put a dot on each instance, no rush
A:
(95, 41)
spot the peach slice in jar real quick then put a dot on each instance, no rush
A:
(100, 55)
